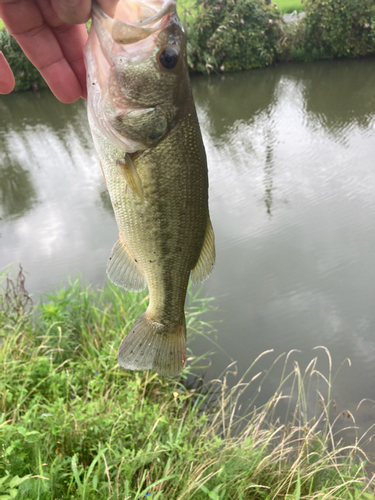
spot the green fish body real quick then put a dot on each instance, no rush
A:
(147, 136)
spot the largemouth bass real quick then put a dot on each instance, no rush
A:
(147, 136)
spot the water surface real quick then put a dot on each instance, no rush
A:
(291, 160)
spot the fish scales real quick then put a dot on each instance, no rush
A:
(176, 214)
(158, 185)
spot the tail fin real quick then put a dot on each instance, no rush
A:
(152, 345)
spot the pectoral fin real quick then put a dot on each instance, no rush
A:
(127, 168)
(122, 269)
(207, 256)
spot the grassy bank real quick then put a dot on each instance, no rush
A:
(74, 425)
(288, 6)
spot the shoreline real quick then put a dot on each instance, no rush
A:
(76, 425)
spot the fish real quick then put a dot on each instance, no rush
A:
(146, 133)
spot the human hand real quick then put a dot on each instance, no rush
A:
(6, 76)
(52, 35)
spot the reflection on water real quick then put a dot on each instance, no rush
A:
(327, 101)
(17, 193)
(235, 98)
(106, 201)
(292, 184)
(50, 171)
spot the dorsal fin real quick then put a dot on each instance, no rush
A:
(207, 256)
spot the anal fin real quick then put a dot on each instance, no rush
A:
(207, 256)
(122, 269)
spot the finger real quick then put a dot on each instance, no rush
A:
(25, 22)
(108, 6)
(78, 11)
(45, 53)
(6, 76)
(72, 11)
(72, 43)
(71, 39)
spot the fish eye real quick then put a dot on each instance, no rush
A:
(169, 58)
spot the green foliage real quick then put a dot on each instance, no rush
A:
(331, 28)
(340, 28)
(9, 486)
(26, 75)
(238, 35)
(232, 35)
(74, 425)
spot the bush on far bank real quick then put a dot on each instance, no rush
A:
(330, 29)
(340, 28)
(234, 35)
(231, 35)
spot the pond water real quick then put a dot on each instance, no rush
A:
(292, 180)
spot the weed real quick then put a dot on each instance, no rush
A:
(74, 425)
(15, 301)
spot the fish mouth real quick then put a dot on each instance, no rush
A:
(131, 38)
(134, 20)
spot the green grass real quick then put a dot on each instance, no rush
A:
(288, 6)
(74, 425)
(285, 6)
(1, 24)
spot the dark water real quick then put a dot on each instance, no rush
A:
(292, 180)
